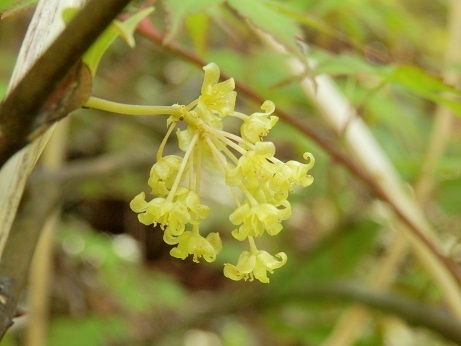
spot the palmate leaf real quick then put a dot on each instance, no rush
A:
(263, 15)
(427, 86)
(412, 78)
(117, 28)
(179, 10)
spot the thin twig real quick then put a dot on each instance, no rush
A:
(18, 117)
(35, 102)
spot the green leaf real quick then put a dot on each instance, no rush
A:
(427, 86)
(345, 64)
(123, 29)
(264, 15)
(179, 10)
(198, 25)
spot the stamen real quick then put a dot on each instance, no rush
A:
(190, 149)
(162, 145)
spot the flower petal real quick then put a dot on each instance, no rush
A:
(139, 204)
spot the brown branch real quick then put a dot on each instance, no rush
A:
(147, 30)
(20, 247)
(56, 84)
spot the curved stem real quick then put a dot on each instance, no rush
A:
(198, 175)
(123, 108)
(253, 248)
(165, 139)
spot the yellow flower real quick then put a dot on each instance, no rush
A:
(163, 174)
(254, 220)
(254, 265)
(173, 214)
(192, 243)
(217, 97)
(253, 167)
(298, 174)
(186, 209)
(257, 125)
(153, 212)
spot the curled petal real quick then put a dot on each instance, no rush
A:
(240, 214)
(267, 263)
(244, 268)
(257, 125)
(255, 220)
(139, 204)
(254, 265)
(231, 272)
(153, 212)
(270, 262)
(310, 157)
(299, 174)
(192, 243)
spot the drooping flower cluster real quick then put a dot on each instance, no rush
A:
(260, 183)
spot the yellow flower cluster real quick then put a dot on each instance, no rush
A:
(260, 183)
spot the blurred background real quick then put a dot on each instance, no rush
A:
(111, 279)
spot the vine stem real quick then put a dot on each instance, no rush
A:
(49, 52)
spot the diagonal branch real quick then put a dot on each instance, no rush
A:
(32, 106)
(35, 103)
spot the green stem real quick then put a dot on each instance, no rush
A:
(165, 139)
(198, 175)
(189, 151)
(253, 248)
(122, 108)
